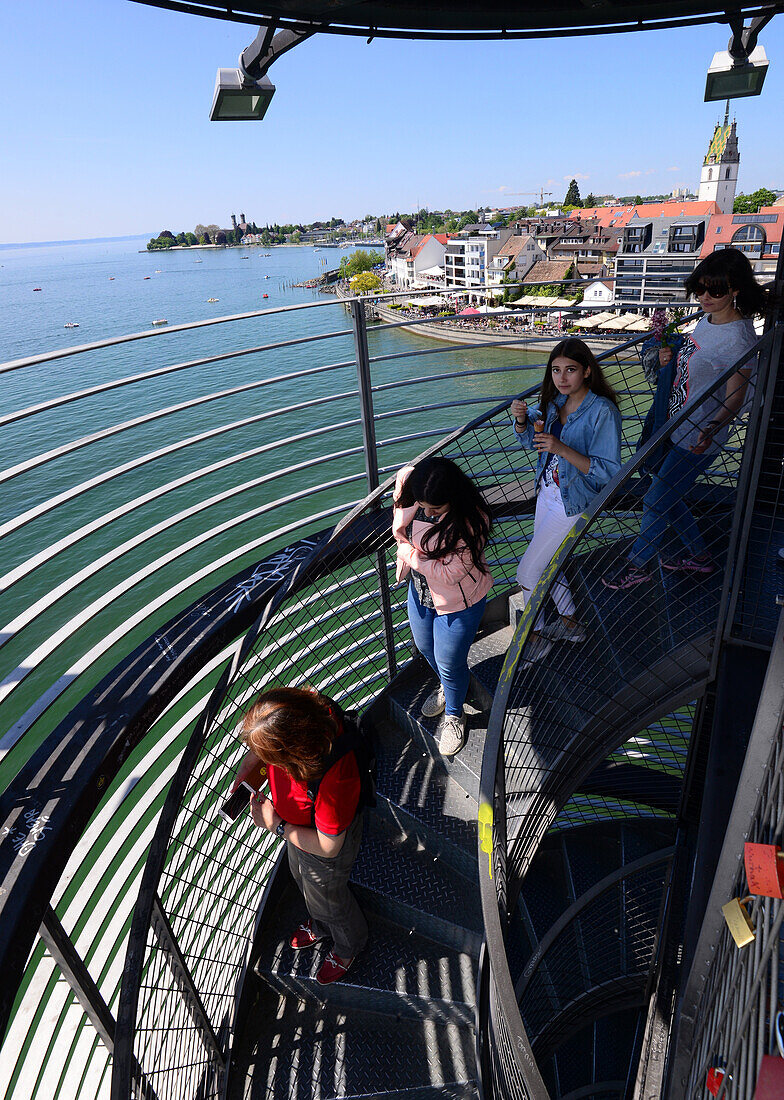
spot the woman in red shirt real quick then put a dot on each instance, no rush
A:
(291, 731)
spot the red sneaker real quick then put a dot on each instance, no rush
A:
(305, 937)
(332, 969)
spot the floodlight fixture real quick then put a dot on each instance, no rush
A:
(238, 98)
(729, 78)
(739, 70)
(244, 93)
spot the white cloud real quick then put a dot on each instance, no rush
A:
(649, 171)
(629, 175)
(576, 176)
(674, 168)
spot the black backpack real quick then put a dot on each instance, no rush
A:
(357, 738)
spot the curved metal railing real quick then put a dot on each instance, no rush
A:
(332, 624)
(649, 650)
(731, 1004)
(70, 851)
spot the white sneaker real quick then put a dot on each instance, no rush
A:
(434, 704)
(560, 632)
(453, 734)
(536, 650)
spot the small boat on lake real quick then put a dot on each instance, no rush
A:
(265, 295)
(71, 324)
(36, 288)
(213, 299)
(146, 276)
(161, 321)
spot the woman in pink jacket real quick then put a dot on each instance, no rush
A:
(441, 525)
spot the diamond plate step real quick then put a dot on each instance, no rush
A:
(410, 887)
(416, 794)
(400, 973)
(485, 660)
(298, 1051)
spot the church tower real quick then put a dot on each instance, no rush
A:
(719, 177)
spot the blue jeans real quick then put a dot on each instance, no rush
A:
(444, 641)
(663, 506)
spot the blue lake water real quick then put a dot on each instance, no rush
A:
(181, 481)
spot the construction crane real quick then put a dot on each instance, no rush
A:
(517, 194)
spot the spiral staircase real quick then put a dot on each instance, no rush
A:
(528, 899)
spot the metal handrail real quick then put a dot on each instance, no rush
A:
(729, 1004)
(506, 852)
(292, 664)
(162, 664)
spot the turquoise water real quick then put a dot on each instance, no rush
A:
(104, 287)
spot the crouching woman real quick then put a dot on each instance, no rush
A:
(292, 732)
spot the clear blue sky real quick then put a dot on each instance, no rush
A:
(105, 129)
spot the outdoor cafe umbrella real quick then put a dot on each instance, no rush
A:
(469, 311)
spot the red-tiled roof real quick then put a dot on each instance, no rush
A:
(721, 228)
(619, 216)
(548, 271)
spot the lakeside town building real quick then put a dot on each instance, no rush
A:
(628, 254)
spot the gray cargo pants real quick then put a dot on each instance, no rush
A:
(323, 882)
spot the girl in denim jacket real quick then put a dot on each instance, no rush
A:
(577, 431)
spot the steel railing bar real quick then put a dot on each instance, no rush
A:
(88, 659)
(32, 611)
(116, 429)
(115, 341)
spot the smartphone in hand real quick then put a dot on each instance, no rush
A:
(236, 802)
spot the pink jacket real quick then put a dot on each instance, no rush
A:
(454, 581)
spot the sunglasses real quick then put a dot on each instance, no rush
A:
(718, 290)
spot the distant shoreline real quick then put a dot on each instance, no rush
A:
(76, 240)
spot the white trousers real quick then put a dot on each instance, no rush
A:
(551, 526)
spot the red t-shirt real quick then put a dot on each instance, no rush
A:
(336, 802)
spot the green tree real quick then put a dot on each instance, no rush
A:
(469, 218)
(181, 239)
(590, 200)
(750, 204)
(191, 238)
(220, 238)
(364, 283)
(378, 225)
(572, 195)
(359, 262)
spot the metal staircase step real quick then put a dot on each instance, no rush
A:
(406, 711)
(416, 793)
(299, 1050)
(485, 660)
(399, 974)
(396, 880)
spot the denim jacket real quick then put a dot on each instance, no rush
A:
(593, 429)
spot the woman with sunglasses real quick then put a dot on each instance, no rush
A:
(729, 297)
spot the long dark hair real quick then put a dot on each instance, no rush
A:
(575, 349)
(729, 268)
(292, 728)
(439, 481)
